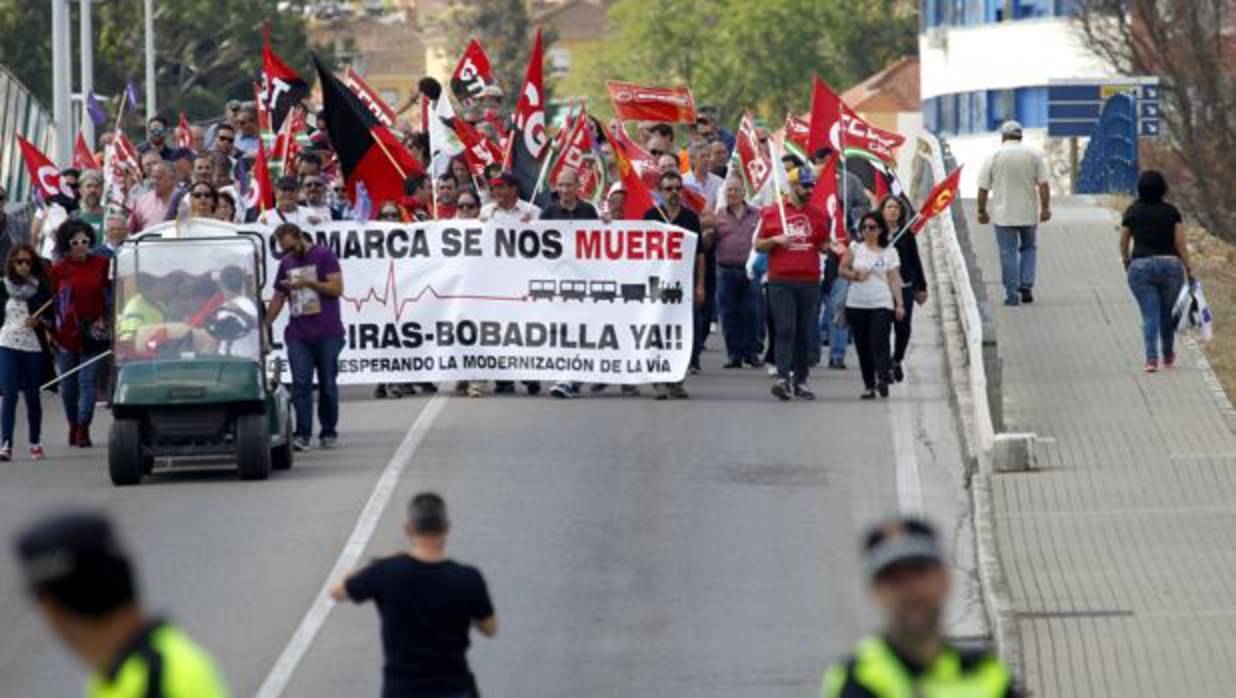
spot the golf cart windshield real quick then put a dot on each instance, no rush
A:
(187, 298)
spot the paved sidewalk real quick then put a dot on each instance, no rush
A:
(1118, 550)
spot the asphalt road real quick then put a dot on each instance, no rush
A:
(699, 548)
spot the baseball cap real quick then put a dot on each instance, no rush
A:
(803, 176)
(76, 559)
(1010, 128)
(899, 542)
(504, 178)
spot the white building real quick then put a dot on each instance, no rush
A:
(986, 61)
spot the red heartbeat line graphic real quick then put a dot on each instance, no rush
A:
(390, 294)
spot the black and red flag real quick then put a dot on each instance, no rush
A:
(529, 141)
(368, 152)
(282, 88)
(473, 73)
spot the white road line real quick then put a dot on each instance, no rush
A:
(301, 640)
(909, 487)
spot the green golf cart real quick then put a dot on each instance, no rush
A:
(189, 377)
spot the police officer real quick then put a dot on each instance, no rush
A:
(910, 583)
(84, 587)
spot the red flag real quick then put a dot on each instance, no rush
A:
(836, 126)
(479, 151)
(370, 98)
(755, 161)
(263, 116)
(368, 152)
(577, 154)
(639, 103)
(282, 88)
(83, 159)
(473, 73)
(529, 141)
(693, 199)
(798, 131)
(641, 160)
(44, 175)
(184, 135)
(826, 200)
(941, 197)
(125, 154)
(639, 198)
(261, 190)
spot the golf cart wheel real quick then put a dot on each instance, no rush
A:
(281, 456)
(124, 452)
(252, 447)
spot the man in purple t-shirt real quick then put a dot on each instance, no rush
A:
(310, 282)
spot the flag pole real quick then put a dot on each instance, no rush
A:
(388, 155)
(904, 228)
(77, 368)
(777, 187)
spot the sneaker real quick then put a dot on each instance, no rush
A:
(534, 388)
(882, 389)
(772, 370)
(781, 390)
(733, 363)
(1169, 360)
(628, 389)
(695, 369)
(562, 390)
(678, 392)
(1012, 300)
(898, 374)
(661, 392)
(802, 392)
(754, 361)
(598, 388)
(867, 395)
(461, 388)
(836, 364)
(6, 452)
(301, 443)
(428, 388)
(504, 387)
(1152, 366)
(474, 390)
(396, 390)
(36, 452)
(329, 442)
(1027, 296)
(379, 391)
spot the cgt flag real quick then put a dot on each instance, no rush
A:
(473, 73)
(368, 152)
(529, 142)
(83, 159)
(479, 152)
(639, 198)
(941, 197)
(184, 133)
(834, 125)
(639, 103)
(43, 174)
(281, 86)
(372, 99)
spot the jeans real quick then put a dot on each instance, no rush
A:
(1155, 283)
(305, 358)
(901, 328)
(20, 372)
(794, 305)
(77, 392)
(738, 300)
(1018, 252)
(871, 328)
(838, 334)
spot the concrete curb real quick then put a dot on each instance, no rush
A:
(997, 598)
(1222, 401)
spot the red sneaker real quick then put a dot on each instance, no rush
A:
(1169, 360)
(1152, 366)
(36, 452)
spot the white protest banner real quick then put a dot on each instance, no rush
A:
(465, 300)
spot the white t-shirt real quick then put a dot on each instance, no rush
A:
(872, 292)
(1012, 175)
(492, 212)
(14, 334)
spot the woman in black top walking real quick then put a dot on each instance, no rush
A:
(895, 212)
(1154, 251)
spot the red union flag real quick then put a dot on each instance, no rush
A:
(370, 98)
(639, 198)
(836, 126)
(798, 131)
(756, 165)
(473, 73)
(941, 197)
(479, 152)
(184, 133)
(83, 159)
(43, 174)
(639, 103)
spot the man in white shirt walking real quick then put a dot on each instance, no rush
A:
(1015, 173)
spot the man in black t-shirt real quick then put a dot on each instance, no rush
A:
(427, 604)
(673, 212)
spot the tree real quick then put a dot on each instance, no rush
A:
(206, 51)
(1188, 44)
(737, 54)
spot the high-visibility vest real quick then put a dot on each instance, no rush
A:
(162, 662)
(876, 668)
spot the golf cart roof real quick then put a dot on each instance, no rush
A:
(192, 227)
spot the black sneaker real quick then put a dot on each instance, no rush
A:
(882, 389)
(534, 388)
(662, 392)
(802, 392)
(428, 388)
(867, 395)
(562, 390)
(736, 363)
(504, 387)
(898, 374)
(1027, 296)
(678, 392)
(837, 364)
(754, 361)
(781, 390)
(379, 391)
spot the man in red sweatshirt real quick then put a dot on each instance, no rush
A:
(793, 234)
